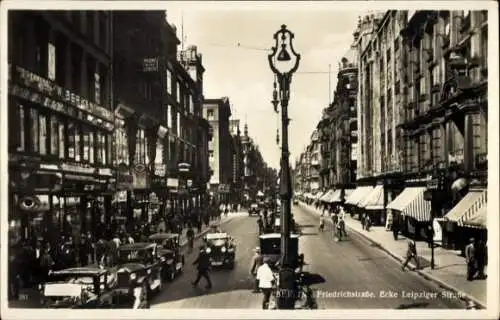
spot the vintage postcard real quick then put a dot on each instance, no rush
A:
(252, 160)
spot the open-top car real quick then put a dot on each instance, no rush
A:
(169, 251)
(270, 247)
(74, 287)
(139, 265)
(254, 209)
(221, 249)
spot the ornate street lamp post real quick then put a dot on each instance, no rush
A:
(281, 59)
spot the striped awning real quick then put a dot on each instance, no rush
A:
(418, 208)
(471, 199)
(327, 195)
(358, 195)
(477, 221)
(471, 208)
(404, 198)
(335, 196)
(374, 200)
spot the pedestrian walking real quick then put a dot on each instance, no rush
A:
(481, 253)
(341, 227)
(411, 253)
(266, 280)
(470, 259)
(203, 267)
(430, 235)
(190, 237)
(395, 230)
(257, 261)
(368, 222)
(321, 224)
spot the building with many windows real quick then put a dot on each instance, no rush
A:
(217, 112)
(237, 162)
(422, 113)
(61, 175)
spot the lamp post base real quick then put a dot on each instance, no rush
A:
(285, 295)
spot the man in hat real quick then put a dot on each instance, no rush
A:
(411, 253)
(203, 262)
(266, 279)
(470, 259)
(256, 263)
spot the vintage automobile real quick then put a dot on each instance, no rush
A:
(270, 247)
(254, 209)
(74, 287)
(169, 250)
(139, 265)
(221, 249)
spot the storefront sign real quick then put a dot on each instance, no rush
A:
(172, 183)
(150, 64)
(184, 167)
(77, 168)
(140, 176)
(105, 172)
(190, 183)
(50, 90)
(160, 170)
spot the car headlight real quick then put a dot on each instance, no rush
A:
(40, 287)
(208, 250)
(223, 249)
(133, 276)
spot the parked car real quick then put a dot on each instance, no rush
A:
(169, 250)
(270, 247)
(254, 209)
(139, 266)
(74, 287)
(221, 249)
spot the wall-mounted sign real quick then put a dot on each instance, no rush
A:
(77, 168)
(172, 183)
(190, 183)
(184, 167)
(140, 176)
(160, 170)
(150, 64)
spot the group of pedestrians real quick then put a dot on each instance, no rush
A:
(476, 257)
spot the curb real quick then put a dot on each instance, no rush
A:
(463, 295)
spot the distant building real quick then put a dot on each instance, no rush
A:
(217, 112)
(237, 162)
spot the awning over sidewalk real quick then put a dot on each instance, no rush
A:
(327, 195)
(470, 208)
(335, 196)
(417, 208)
(358, 195)
(404, 198)
(374, 200)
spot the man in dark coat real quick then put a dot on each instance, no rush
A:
(481, 253)
(203, 262)
(257, 261)
(470, 259)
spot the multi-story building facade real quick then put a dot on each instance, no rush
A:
(254, 167)
(217, 112)
(315, 160)
(161, 137)
(422, 113)
(445, 119)
(61, 176)
(237, 162)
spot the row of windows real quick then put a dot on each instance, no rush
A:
(183, 95)
(38, 132)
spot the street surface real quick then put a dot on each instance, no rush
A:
(351, 267)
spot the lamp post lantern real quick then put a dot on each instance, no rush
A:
(283, 66)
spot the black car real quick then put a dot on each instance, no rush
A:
(169, 251)
(74, 287)
(221, 249)
(254, 209)
(270, 247)
(139, 265)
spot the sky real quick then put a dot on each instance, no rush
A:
(322, 37)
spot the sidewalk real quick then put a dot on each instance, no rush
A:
(450, 268)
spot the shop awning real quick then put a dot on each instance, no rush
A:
(334, 197)
(470, 207)
(404, 198)
(477, 221)
(327, 195)
(417, 208)
(374, 200)
(358, 194)
(317, 195)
